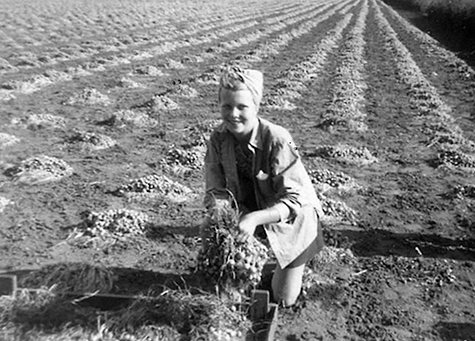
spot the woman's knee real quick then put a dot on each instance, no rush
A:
(287, 284)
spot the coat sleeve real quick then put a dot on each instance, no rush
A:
(289, 176)
(298, 234)
(215, 181)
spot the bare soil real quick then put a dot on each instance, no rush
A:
(401, 268)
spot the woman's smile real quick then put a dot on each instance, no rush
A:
(234, 121)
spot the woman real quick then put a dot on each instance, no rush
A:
(258, 163)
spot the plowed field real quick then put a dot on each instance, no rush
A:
(105, 107)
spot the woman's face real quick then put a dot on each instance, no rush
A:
(238, 111)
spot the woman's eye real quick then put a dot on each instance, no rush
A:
(242, 107)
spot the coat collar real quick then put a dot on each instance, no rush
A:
(256, 136)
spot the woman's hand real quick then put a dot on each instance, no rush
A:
(247, 225)
(248, 222)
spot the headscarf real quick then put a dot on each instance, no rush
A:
(252, 79)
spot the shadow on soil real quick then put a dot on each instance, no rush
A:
(456, 33)
(385, 243)
(134, 281)
(451, 331)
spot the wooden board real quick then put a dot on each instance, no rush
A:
(264, 316)
(8, 284)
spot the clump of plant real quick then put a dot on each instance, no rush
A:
(344, 153)
(40, 169)
(71, 277)
(230, 262)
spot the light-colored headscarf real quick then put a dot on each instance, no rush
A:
(252, 80)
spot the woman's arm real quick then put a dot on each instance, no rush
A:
(249, 222)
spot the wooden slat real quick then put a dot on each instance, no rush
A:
(8, 285)
(263, 315)
(260, 304)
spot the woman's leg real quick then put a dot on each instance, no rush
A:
(287, 284)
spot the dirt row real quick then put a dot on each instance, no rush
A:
(399, 226)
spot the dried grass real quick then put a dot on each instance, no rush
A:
(71, 277)
(172, 315)
(192, 315)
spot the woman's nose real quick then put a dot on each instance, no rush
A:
(234, 112)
